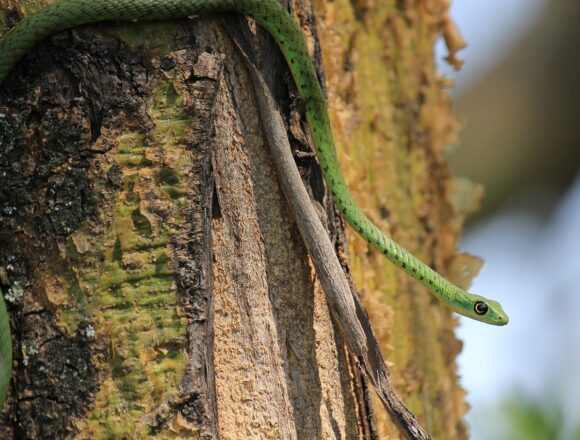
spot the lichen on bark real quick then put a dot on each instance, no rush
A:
(127, 268)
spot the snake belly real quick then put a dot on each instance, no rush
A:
(271, 16)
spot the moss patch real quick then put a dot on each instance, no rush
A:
(125, 283)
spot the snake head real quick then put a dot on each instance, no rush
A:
(482, 309)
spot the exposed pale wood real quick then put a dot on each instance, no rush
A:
(346, 307)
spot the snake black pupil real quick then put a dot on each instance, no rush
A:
(481, 308)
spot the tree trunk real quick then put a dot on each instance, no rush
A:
(156, 281)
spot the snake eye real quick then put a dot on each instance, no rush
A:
(481, 308)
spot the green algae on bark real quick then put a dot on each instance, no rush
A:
(127, 276)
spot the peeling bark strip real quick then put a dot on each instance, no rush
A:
(344, 305)
(281, 369)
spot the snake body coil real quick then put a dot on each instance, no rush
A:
(270, 15)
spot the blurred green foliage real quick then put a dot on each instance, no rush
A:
(527, 419)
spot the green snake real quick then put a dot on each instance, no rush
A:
(288, 36)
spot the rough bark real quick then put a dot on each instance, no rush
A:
(158, 284)
(392, 119)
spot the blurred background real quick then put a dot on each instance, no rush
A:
(518, 99)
